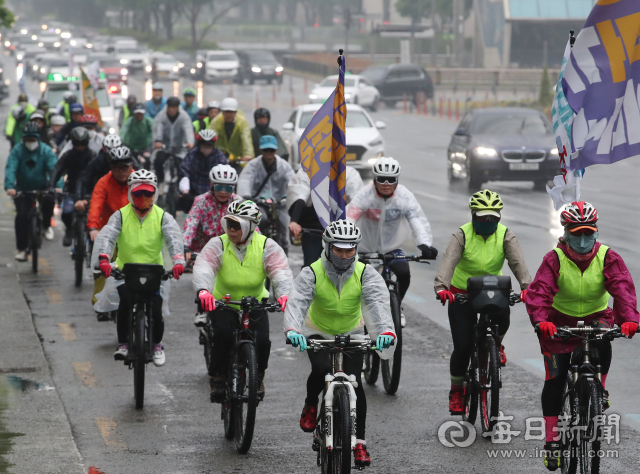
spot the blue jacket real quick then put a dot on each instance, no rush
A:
(196, 167)
(192, 111)
(153, 109)
(30, 170)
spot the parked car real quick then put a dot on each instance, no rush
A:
(256, 65)
(357, 90)
(364, 142)
(221, 65)
(167, 66)
(397, 80)
(503, 144)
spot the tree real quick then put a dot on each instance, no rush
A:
(6, 16)
(193, 10)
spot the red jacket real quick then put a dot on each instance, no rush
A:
(108, 196)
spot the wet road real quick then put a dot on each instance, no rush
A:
(179, 431)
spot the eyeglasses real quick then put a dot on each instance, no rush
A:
(488, 218)
(233, 225)
(582, 232)
(386, 180)
(268, 150)
(223, 188)
(142, 192)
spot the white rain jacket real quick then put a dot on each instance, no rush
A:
(376, 313)
(300, 187)
(275, 262)
(385, 223)
(108, 299)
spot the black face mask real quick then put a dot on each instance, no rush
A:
(340, 264)
(263, 127)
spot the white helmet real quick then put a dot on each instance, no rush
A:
(58, 120)
(248, 210)
(223, 174)
(342, 231)
(386, 167)
(207, 136)
(111, 141)
(214, 104)
(142, 177)
(229, 105)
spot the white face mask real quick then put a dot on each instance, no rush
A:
(22, 104)
(31, 145)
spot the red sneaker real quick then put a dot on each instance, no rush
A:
(361, 455)
(503, 356)
(308, 419)
(456, 402)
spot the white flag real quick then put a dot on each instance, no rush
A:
(93, 73)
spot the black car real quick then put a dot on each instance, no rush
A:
(256, 65)
(503, 144)
(397, 80)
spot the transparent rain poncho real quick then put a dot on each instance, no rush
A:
(385, 224)
(376, 314)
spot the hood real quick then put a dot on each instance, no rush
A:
(323, 93)
(516, 142)
(222, 64)
(361, 136)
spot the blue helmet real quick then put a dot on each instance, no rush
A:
(73, 108)
(157, 86)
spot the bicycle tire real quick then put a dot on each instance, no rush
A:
(245, 409)
(341, 457)
(88, 251)
(371, 368)
(227, 417)
(470, 398)
(208, 343)
(35, 242)
(590, 407)
(139, 363)
(489, 398)
(172, 199)
(79, 251)
(391, 368)
(568, 446)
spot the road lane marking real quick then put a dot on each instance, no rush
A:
(43, 267)
(68, 331)
(107, 428)
(85, 373)
(54, 296)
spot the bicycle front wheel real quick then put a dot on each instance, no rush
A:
(341, 453)
(590, 411)
(470, 398)
(568, 446)
(35, 242)
(489, 393)
(79, 251)
(371, 367)
(139, 363)
(392, 367)
(172, 199)
(245, 405)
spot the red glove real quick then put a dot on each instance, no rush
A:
(523, 296)
(446, 295)
(105, 266)
(629, 329)
(547, 329)
(178, 270)
(207, 301)
(283, 302)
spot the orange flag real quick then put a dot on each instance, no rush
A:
(89, 98)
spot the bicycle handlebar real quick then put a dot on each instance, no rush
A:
(387, 257)
(566, 332)
(463, 298)
(118, 274)
(247, 304)
(341, 343)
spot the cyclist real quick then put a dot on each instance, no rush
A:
(39, 119)
(63, 108)
(43, 104)
(139, 229)
(72, 162)
(90, 123)
(157, 102)
(213, 109)
(205, 116)
(262, 117)
(189, 105)
(16, 118)
(574, 283)
(201, 121)
(128, 110)
(237, 263)
(195, 168)
(204, 220)
(386, 211)
(234, 132)
(336, 295)
(137, 131)
(57, 122)
(171, 127)
(29, 167)
(267, 177)
(303, 214)
(77, 111)
(478, 248)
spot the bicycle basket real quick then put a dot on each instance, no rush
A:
(489, 293)
(143, 278)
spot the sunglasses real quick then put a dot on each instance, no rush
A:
(386, 180)
(223, 188)
(582, 232)
(268, 150)
(143, 192)
(233, 225)
(487, 218)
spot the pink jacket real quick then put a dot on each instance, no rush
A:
(203, 221)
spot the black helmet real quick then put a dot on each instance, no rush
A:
(173, 102)
(262, 112)
(132, 99)
(43, 104)
(30, 129)
(79, 136)
(70, 98)
(19, 114)
(202, 113)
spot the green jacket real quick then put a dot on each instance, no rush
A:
(22, 174)
(137, 135)
(240, 143)
(10, 129)
(257, 134)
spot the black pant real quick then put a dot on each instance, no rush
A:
(185, 202)
(24, 204)
(225, 322)
(311, 248)
(124, 310)
(462, 318)
(352, 365)
(158, 164)
(402, 272)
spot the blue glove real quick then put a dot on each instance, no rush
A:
(297, 339)
(383, 342)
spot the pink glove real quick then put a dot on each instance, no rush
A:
(629, 329)
(207, 301)
(105, 266)
(178, 270)
(547, 329)
(523, 296)
(283, 302)
(446, 295)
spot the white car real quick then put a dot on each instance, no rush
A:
(357, 90)
(130, 55)
(167, 66)
(221, 65)
(364, 142)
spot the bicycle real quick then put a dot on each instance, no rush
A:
(583, 400)
(82, 243)
(241, 397)
(34, 231)
(392, 367)
(144, 281)
(168, 192)
(335, 435)
(272, 229)
(488, 295)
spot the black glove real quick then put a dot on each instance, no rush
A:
(428, 253)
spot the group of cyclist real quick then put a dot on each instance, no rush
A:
(221, 183)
